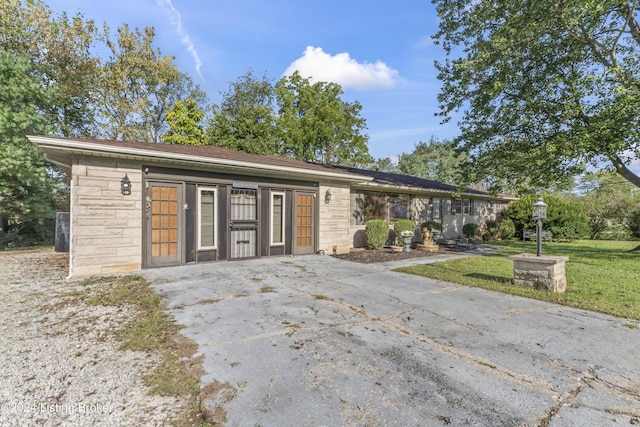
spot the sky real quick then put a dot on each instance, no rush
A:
(380, 52)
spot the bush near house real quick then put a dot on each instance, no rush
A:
(377, 232)
(507, 229)
(490, 230)
(400, 226)
(471, 230)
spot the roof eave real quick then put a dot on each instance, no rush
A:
(56, 145)
(430, 191)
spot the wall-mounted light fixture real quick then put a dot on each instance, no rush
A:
(125, 185)
(327, 196)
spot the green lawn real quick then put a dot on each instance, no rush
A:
(601, 275)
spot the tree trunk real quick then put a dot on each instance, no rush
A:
(623, 170)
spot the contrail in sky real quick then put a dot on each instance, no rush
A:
(176, 21)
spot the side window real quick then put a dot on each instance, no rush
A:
(456, 207)
(277, 218)
(207, 218)
(466, 207)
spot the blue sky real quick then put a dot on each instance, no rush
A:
(379, 52)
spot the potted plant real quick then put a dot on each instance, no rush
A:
(406, 237)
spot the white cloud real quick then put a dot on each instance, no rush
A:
(342, 69)
(176, 21)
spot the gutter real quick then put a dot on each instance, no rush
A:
(432, 192)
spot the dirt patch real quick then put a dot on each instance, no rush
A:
(369, 256)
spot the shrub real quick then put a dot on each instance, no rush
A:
(633, 223)
(565, 219)
(400, 226)
(377, 232)
(35, 232)
(507, 229)
(471, 230)
(492, 227)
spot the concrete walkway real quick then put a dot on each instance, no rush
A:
(317, 341)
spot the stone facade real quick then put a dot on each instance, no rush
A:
(334, 230)
(106, 232)
(540, 272)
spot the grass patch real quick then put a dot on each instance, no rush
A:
(602, 276)
(154, 331)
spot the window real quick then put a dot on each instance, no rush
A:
(207, 208)
(366, 205)
(243, 204)
(277, 218)
(398, 206)
(436, 205)
(457, 207)
(466, 207)
(462, 207)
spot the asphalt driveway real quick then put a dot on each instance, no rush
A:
(318, 341)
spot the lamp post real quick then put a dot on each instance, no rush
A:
(539, 213)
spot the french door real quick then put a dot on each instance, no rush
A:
(163, 224)
(304, 227)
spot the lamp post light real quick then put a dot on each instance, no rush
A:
(539, 213)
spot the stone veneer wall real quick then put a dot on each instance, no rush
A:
(106, 226)
(334, 227)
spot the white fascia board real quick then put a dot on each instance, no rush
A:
(89, 148)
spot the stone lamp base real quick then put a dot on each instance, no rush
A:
(540, 272)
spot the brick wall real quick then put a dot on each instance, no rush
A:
(106, 226)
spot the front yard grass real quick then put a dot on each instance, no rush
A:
(602, 276)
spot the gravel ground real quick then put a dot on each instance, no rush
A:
(60, 365)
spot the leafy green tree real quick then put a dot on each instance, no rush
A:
(28, 186)
(137, 87)
(59, 50)
(185, 124)
(633, 224)
(608, 200)
(316, 125)
(435, 160)
(565, 219)
(385, 164)
(545, 87)
(245, 120)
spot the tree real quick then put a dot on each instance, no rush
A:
(137, 87)
(245, 120)
(27, 185)
(59, 51)
(385, 164)
(546, 87)
(565, 220)
(435, 160)
(608, 200)
(185, 126)
(316, 125)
